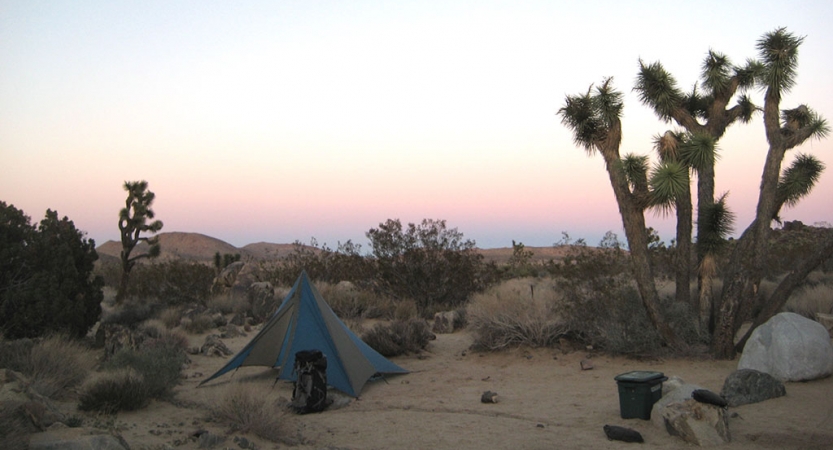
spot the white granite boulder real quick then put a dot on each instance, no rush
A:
(789, 347)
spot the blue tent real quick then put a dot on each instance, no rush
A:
(305, 321)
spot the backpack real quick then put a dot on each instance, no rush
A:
(310, 391)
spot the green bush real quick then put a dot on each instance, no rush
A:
(399, 337)
(158, 364)
(123, 390)
(46, 281)
(174, 282)
(429, 263)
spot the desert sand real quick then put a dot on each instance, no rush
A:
(545, 401)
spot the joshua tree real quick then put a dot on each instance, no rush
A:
(595, 120)
(785, 130)
(133, 220)
(703, 113)
(716, 220)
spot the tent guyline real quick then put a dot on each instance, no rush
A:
(304, 321)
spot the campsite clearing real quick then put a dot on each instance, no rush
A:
(546, 401)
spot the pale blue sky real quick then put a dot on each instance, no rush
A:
(283, 120)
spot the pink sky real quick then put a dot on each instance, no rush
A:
(283, 121)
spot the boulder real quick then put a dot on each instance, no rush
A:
(228, 276)
(213, 346)
(751, 386)
(696, 423)
(445, 322)
(789, 347)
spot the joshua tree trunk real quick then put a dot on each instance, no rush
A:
(633, 220)
(683, 254)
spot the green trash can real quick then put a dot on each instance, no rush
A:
(638, 391)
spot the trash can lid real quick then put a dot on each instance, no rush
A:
(638, 376)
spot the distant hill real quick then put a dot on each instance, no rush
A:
(190, 246)
(199, 247)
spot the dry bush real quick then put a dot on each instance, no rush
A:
(246, 409)
(16, 426)
(122, 390)
(225, 304)
(515, 312)
(811, 300)
(171, 317)
(406, 309)
(199, 324)
(399, 337)
(57, 365)
(158, 363)
(351, 302)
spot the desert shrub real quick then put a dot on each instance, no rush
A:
(351, 302)
(132, 313)
(811, 300)
(406, 309)
(399, 337)
(199, 324)
(246, 410)
(225, 304)
(16, 426)
(173, 282)
(14, 355)
(323, 264)
(429, 263)
(54, 365)
(122, 390)
(58, 364)
(171, 317)
(46, 281)
(158, 364)
(516, 312)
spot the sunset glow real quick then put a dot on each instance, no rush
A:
(283, 121)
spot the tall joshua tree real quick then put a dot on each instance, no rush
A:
(785, 130)
(703, 112)
(595, 120)
(133, 220)
(670, 182)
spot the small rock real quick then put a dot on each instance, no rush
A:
(617, 433)
(586, 364)
(489, 397)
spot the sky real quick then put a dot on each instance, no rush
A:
(277, 121)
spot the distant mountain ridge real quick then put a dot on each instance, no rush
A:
(202, 248)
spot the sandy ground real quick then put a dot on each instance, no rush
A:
(545, 401)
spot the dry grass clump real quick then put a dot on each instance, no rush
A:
(55, 365)
(171, 317)
(516, 312)
(121, 390)
(811, 300)
(399, 337)
(199, 324)
(247, 410)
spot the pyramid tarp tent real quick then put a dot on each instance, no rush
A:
(305, 321)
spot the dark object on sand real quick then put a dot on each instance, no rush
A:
(489, 397)
(617, 433)
(707, 396)
(310, 392)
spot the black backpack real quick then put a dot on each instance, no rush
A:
(310, 391)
